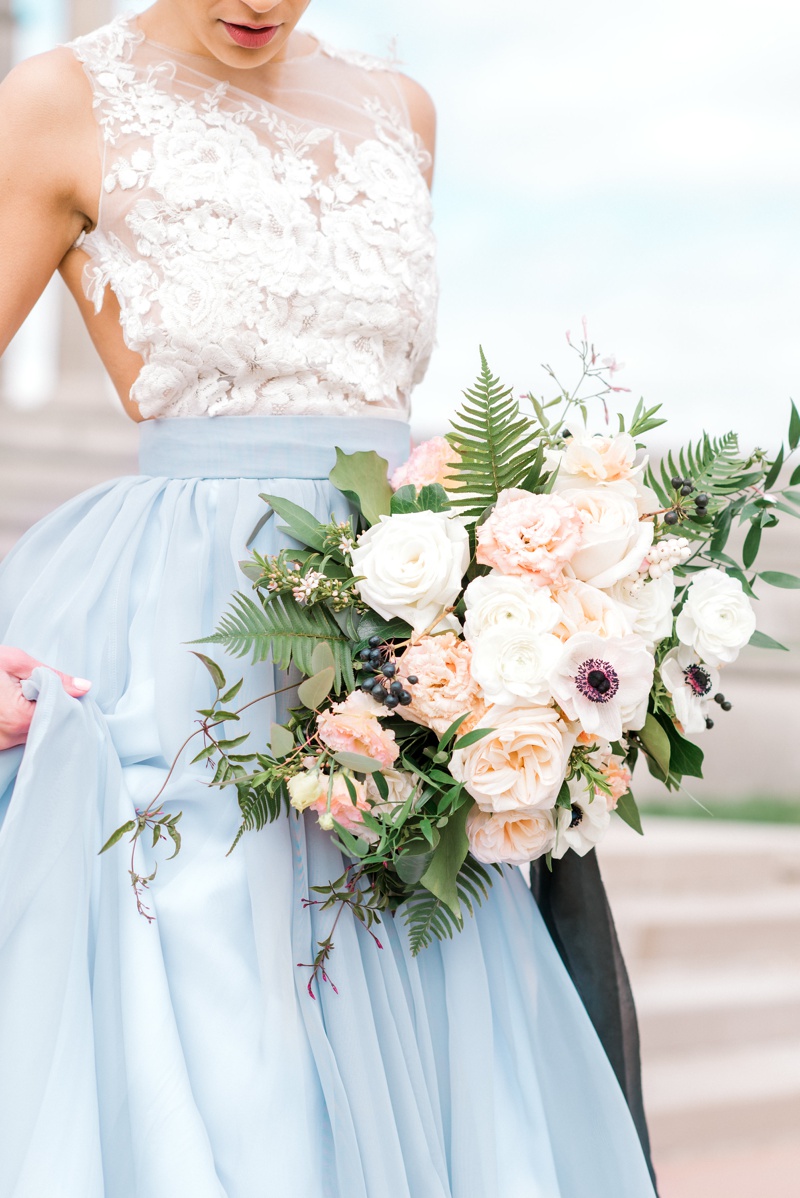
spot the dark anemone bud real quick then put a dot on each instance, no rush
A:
(389, 670)
(709, 722)
(727, 705)
(396, 688)
(412, 680)
(671, 518)
(677, 482)
(391, 701)
(405, 699)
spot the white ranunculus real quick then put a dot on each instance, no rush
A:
(692, 684)
(604, 683)
(584, 826)
(649, 606)
(717, 618)
(615, 540)
(520, 764)
(512, 663)
(304, 789)
(502, 599)
(412, 566)
(600, 457)
(510, 837)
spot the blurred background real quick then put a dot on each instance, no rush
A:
(640, 165)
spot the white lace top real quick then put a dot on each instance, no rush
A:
(271, 252)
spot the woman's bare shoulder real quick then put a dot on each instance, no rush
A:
(45, 94)
(422, 114)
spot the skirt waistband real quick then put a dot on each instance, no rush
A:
(264, 446)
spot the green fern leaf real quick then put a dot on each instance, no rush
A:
(496, 443)
(285, 631)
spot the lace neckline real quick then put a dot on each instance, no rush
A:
(282, 62)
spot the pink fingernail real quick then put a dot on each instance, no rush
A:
(81, 684)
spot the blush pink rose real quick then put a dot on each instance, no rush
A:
(510, 837)
(353, 727)
(530, 535)
(618, 776)
(430, 462)
(445, 688)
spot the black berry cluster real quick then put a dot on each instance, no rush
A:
(725, 705)
(380, 681)
(684, 488)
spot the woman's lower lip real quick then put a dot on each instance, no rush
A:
(244, 35)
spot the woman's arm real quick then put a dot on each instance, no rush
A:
(48, 169)
(422, 113)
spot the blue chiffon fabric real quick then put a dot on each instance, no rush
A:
(184, 1058)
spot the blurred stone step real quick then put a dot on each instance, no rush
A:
(679, 1012)
(701, 1099)
(678, 857)
(712, 931)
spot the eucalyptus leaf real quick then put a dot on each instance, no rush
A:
(471, 738)
(322, 658)
(751, 545)
(564, 798)
(794, 427)
(358, 762)
(316, 689)
(252, 570)
(686, 758)
(414, 861)
(362, 478)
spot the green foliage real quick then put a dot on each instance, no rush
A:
(286, 631)
(628, 812)
(431, 498)
(714, 465)
(498, 446)
(362, 478)
(428, 917)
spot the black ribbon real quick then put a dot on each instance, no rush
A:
(574, 905)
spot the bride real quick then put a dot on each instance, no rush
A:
(243, 216)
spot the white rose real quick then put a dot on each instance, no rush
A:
(631, 488)
(520, 764)
(511, 837)
(691, 684)
(649, 606)
(502, 599)
(586, 609)
(600, 457)
(512, 662)
(412, 566)
(717, 618)
(400, 785)
(615, 540)
(585, 825)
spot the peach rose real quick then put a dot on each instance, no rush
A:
(352, 727)
(618, 776)
(531, 535)
(584, 608)
(521, 764)
(605, 459)
(342, 808)
(445, 688)
(510, 837)
(430, 462)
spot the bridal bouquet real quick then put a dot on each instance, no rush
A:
(489, 644)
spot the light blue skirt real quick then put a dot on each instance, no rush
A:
(184, 1058)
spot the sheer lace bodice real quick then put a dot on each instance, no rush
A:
(271, 250)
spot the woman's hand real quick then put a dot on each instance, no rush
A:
(16, 712)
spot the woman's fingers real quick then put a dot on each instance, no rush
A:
(20, 665)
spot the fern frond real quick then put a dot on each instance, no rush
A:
(259, 805)
(496, 443)
(427, 917)
(285, 631)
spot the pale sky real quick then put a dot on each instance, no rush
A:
(639, 164)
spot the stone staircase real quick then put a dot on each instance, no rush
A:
(708, 914)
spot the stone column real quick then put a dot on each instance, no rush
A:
(6, 33)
